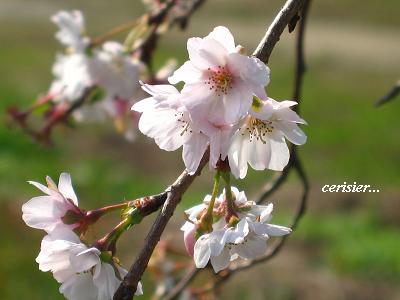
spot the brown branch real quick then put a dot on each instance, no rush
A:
(272, 186)
(391, 95)
(274, 31)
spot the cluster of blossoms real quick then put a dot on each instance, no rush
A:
(85, 272)
(112, 72)
(243, 236)
(223, 106)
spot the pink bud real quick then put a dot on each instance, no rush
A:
(189, 239)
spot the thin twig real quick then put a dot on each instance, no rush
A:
(391, 95)
(182, 284)
(272, 186)
(106, 36)
(154, 19)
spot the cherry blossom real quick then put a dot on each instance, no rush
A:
(220, 81)
(246, 239)
(116, 75)
(166, 121)
(260, 139)
(59, 207)
(84, 273)
(73, 76)
(72, 29)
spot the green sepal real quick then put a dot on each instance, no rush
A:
(257, 104)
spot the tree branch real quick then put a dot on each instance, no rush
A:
(274, 31)
(183, 283)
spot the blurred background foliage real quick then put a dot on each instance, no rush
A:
(347, 247)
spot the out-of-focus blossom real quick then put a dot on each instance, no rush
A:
(116, 75)
(73, 76)
(72, 30)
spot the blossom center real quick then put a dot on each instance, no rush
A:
(257, 129)
(220, 80)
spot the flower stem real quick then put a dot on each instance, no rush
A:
(214, 193)
(230, 201)
(95, 214)
(119, 29)
(206, 220)
(108, 242)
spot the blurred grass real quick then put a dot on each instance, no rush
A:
(348, 139)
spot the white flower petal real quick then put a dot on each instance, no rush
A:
(292, 132)
(193, 151)
(254, 247)
(105, 280)
(40, 186)
(238, 155)
(65, 187)
(43, 212)
(187, 73)
(202, 251)
(224, 37)
(85, 259)
(259, 154)
(145, 104)
(79, 287)
(279, 153)
(209, 53)
(249, 69)
(162, 125)
(266, 212)
(288, 115)
(221, 261)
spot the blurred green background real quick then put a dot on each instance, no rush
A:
(347, 247)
